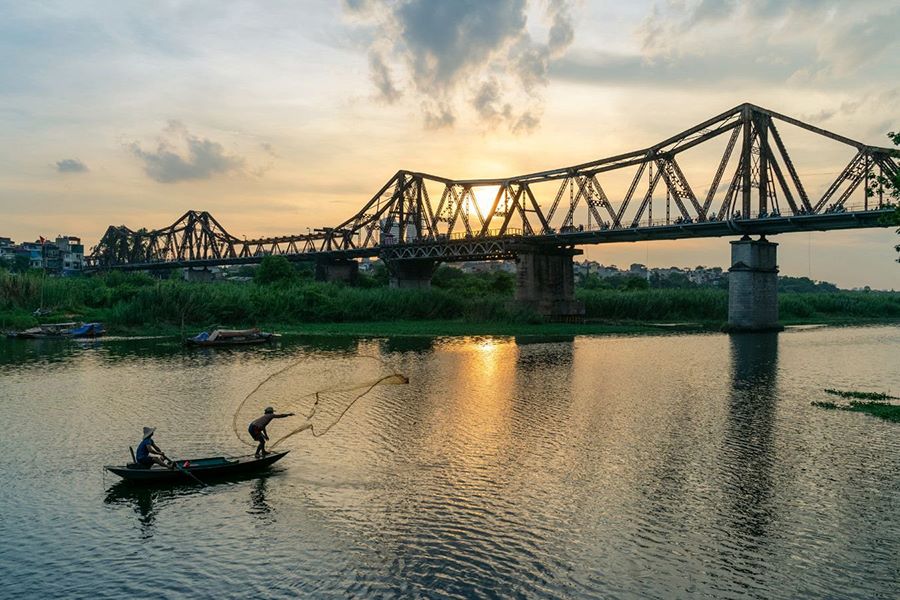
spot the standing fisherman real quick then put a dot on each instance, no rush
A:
(257, 429)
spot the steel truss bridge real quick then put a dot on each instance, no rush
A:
(754, 189)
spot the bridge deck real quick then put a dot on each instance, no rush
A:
(500, 247)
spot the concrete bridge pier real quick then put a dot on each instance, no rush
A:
(411, 273)
(202, 275)
(753, 286)
(545, 282)
(337, 269)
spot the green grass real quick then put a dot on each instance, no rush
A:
(469, 305)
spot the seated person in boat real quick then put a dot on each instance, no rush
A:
(257, 429)
(149, 454)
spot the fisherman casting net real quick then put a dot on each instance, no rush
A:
(320, 393)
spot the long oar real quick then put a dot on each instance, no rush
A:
(188, 473)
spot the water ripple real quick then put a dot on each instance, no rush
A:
(620, 467)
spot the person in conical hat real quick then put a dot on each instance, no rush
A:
(149, 454)
(257, 429)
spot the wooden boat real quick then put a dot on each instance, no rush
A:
(46, 330)
(86, 330)
(60, 330)
(231, 337)
(203, 469)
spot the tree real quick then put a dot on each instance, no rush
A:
(21, 263)
(448, 277)
(635, 283)
(891, 184)
(274, 269)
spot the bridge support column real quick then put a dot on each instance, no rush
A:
(203, 275)
(753, 286)
(411, 273)
(337, 269)
(545, 282)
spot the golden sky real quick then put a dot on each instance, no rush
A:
(278, 116)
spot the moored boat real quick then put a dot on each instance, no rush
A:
(194, 469)
(231, 337)
(86, 330)
(60, 330)
(46, 330)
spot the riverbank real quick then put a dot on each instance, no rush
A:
(140, 305)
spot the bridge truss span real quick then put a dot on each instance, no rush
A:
(735, 173)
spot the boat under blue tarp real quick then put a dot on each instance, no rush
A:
(86, 330)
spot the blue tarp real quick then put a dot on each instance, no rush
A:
(86, 329)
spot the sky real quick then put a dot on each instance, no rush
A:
(280, 116)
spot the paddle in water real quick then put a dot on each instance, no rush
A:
(183, 470)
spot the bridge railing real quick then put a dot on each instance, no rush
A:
(754, 215)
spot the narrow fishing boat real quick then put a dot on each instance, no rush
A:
(46, 330)
(60, 330)
(196, 469)
(86, 330)
(231, 337)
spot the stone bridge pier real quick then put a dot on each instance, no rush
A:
(202, 275)
(753, 286)
(337, 269)
(545, 282)
(411, 273)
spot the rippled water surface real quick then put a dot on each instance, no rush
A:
(607, 467)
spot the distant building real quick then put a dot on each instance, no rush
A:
(35, 253)
(638, 270)
(507, 266)
(71, 254)
(367, 265)
(63, 257)
(7, 249)
(607, 271)
(50, 257)
(592, 267)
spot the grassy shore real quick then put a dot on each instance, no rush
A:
(138, 304)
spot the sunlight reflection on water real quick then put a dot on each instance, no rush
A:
(646, 466)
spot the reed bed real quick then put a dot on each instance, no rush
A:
(139, 300)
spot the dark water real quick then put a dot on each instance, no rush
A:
(614, 467)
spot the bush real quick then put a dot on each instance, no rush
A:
(136, 299)
(274, 269)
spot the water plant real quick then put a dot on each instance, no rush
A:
(871, 403)
(873, 396)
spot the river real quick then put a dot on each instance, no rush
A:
(591, 467)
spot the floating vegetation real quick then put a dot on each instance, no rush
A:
(874, 396)
(875, 404)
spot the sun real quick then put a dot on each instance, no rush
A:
(484, 198)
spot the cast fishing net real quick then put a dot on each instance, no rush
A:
(320, 392)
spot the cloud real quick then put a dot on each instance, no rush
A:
(447, 52)
(268, 149)
(381, 77)
(819, 39)
(203, 159)
(487, 102)
(872, 104)
(71, 165)
(438, 116)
